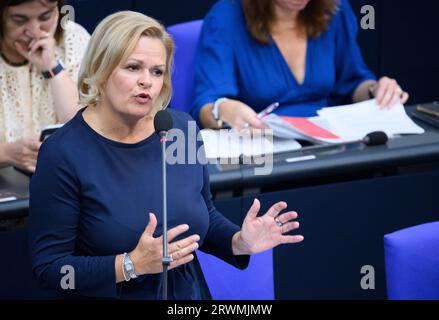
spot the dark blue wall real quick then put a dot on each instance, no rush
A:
(404, 44)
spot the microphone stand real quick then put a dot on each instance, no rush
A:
(166, 259)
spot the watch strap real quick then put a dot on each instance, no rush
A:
(51, 73)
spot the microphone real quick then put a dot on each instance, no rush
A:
(162, 124)
(375, 138)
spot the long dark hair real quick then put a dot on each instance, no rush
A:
(314, 18)
(4, 4)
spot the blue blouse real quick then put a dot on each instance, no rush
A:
(89, 201)
(230, 63)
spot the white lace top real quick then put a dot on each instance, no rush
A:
(26, 104)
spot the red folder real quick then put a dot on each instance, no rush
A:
(309, 128)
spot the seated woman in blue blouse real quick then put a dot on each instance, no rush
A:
(300, 53)
(95, 198)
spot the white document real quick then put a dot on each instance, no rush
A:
(218, 145)
(285, 145)
(230, 144)
(357, 120)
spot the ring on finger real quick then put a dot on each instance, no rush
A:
(278, 222)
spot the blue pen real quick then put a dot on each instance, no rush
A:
(268, 110)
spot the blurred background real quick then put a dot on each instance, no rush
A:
(404, 44)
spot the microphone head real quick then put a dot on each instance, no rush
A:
(162, 121)
(375, 138)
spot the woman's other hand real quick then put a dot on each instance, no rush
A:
(235, 113)
(387, 93)
(23, 153)
(147, 256)
(267, 231)
(41, 52)
(239, 115)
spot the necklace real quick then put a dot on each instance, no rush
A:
(14, 64)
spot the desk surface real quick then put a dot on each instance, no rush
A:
(332, 161)
(348, 159)
(329, 161)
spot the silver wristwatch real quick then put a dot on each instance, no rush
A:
(129, 267)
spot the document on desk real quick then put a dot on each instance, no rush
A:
(357, 120)
(344, 123)
(315, 129)
(226, 144)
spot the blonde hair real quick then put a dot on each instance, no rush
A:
(112, 42)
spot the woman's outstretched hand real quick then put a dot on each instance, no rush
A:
(265, 232)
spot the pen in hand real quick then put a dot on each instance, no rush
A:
(268, 110)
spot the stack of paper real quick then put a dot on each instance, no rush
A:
(314, 129)
(345, 123)
(357, 120)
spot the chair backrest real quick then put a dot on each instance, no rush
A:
(412, 262)
(185, 36)
(226, 282)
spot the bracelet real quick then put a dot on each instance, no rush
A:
(123, 268)
(51, 73)
(216, 111)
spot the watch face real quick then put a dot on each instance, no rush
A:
(129, 267)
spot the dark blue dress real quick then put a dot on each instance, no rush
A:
(230, 63)
(89, 201)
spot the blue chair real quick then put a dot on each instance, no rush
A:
(412, 263)
(185, 36)
(229, 283)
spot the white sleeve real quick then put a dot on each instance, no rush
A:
(75, 40)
